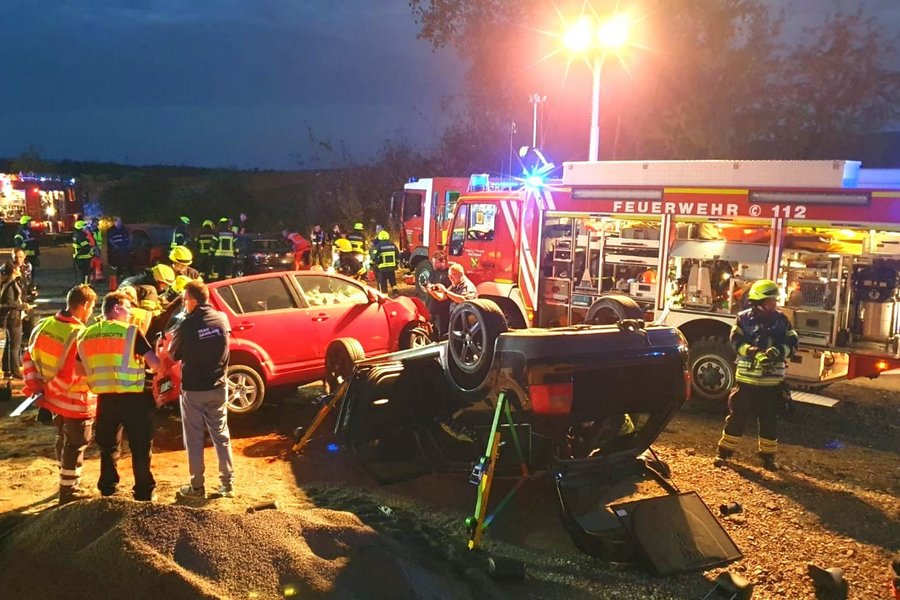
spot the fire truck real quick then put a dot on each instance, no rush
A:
(681, 242)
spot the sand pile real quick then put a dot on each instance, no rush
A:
(119, 548)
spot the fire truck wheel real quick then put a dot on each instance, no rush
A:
(712, 368)
(423, 273)
(413, 336)
(340, 360)
(473, 329)
(246, 389)
(611, 309)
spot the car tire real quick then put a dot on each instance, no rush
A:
(609, 310)
(414, 336)
(472, 331)
(246, 389)
(340, 360)
(711, 362)
(424, 269)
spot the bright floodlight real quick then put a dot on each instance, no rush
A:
(613, 34)
(579, 36)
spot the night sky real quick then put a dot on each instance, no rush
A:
(236, 83)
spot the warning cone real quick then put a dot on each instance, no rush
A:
(113, 282)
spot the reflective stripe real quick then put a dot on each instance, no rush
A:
(72, 472)
(50, 359)
(729, 442)
(225, 247)
(107, 352)
(768, 446)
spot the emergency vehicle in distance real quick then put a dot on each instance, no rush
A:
(681, 242)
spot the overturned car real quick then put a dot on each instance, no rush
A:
(584, 404)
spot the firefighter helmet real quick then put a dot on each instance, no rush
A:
(180, 282)
(383, 235)
(223, 220)
(762, 289)
(185, 220)
(25, 219)
(163, 274)
(357, 226)
(343, 245)
(79, 224)
(208, 223)
(181, 255)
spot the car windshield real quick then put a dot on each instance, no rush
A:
(269, 245)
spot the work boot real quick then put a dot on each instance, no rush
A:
(72, 494)
(768, 462)
(186, 492)
(226, 490)
(722, 456)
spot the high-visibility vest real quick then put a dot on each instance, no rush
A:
(107, 353)
(225, 247)
(50, 361)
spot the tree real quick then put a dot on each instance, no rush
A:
(703, 79)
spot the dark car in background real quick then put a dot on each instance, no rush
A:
(150, 244)
(262, 253)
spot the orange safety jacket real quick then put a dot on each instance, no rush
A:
(50, 364)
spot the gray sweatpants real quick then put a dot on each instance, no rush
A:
(202, 411)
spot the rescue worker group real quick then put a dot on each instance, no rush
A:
(68, 363)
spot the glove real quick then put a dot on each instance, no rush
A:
(773, 353)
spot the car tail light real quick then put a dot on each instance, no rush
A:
(258, 255)
(551, 398)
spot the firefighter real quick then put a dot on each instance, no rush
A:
(180, 234)
(118, 242)
(357, 238)
(764, 339)
(205, 242)
(82, 252)
(25, 240)
(150, 286)
(114, 354)
(223, 249)
(348, 260)
(182, 257)
(50, 369)
(384, 256)
(317, 239)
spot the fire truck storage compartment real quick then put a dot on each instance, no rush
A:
(815, 365)
(711, 274)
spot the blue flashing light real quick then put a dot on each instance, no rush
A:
(534, 181)
(478, 182)
(332, 447)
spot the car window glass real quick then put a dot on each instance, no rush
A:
(262, 295)
(481, 223)
(322, 290)
(227, 296)
(139, 240)
(458, 233)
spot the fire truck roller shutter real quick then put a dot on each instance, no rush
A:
(609, 310)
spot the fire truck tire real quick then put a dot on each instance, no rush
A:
(246, 389)
(609, 310)
(473, 329)
(423, 273)
(712, 368)
(340, 360)
(414, 336)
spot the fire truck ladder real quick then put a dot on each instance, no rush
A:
(483, 474)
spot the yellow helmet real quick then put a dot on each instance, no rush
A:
(343, 245)
(383, 235)
(208, 223)
(184, 220)
(181, 255)
(79, 224)
(357, 227)
(24, 219)
(163, 274)
(180, 282)
(762, 289)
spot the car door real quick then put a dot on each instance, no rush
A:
(268, 318)
(339, 307)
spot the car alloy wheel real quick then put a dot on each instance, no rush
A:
(246, 389)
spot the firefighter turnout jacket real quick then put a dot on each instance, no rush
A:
(49, 364)
(753, 337)
(107, 351)
(223, 246)
(384, 255)
(82, 248)
(357, 241)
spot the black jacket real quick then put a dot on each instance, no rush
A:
(12, 301)
(200, 342)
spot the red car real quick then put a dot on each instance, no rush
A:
(282, 323)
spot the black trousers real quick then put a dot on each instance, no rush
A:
(385, 277)
(224, 266)
(133, 414)
(83, 269)
(755, 402)
(72, 438)
(12, 363)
